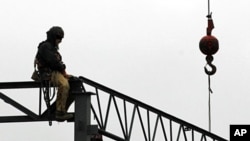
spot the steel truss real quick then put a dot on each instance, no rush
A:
(118, 116)
(136, 119)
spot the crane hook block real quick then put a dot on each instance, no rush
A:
(209, 45)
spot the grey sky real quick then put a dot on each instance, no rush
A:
(147, 49)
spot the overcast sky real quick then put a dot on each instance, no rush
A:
(147, 49)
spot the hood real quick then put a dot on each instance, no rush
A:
(54, 33)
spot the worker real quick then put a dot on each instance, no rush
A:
(51, 67)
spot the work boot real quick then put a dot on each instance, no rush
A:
(61, 116)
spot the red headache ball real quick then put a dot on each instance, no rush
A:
(209, 45)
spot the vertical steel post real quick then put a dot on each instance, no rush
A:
(82, 116)
(83, 129)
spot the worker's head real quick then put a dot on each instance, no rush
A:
(55, 34)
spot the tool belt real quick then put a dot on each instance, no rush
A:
(41, 72)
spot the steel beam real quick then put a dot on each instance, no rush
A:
(83, 129)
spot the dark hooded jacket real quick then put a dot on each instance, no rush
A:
(48, 58)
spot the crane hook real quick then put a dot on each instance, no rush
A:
(209, 59)
(212, 71)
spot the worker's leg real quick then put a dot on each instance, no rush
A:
(63, 91)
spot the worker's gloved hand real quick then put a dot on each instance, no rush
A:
(68, 76)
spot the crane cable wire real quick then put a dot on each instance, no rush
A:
(209, 89)
(209, 103)
(208, 7)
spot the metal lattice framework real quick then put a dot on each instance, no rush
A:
(118, 116)
(139, 120)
